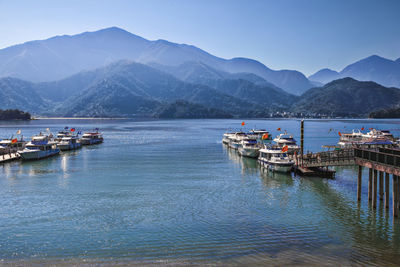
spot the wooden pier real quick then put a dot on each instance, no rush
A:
(381, 162)
(386, 162)
(9, 157)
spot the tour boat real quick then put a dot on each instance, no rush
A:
(273, 159)
(91, 138)
(235, 139)
(373, 139)
(225, 139)
(249, 147)
(349, 139)
(41, 146)
(11, 145)
(261, 134)
(69, 143)
(286, 139)
(61, 135)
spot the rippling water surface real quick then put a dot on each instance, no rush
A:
(169, 192)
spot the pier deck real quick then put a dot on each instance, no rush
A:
(9, 157)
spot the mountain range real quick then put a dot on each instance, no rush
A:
(374, 68)
(62, 56)
(113, 73)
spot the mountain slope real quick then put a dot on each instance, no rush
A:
(246, 86)
(19, 94)
(324, 76)
(145, 88)
(374, 68)
(347, 97)
(62, 56)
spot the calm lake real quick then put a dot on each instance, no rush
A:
(169, 192)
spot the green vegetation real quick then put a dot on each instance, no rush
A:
(183, 109)
(14, 114)
(348, 98)
(392, 113)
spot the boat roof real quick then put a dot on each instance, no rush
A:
(37, 143)
(253, 141)
(271, 150)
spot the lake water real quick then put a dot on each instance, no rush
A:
(169, 192)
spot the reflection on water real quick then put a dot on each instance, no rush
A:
(168, 192)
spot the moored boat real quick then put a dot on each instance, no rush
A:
(91, 138)
(11, 145)
(225, 138)
(249, 147)
(235, 139)
(69, 143)
(273, 159)
(41, 146)
(286, 139)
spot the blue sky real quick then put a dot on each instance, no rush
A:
(305, 35)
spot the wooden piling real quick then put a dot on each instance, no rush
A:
(395, 196)
(398, 194)
(387, 191)
(370, 185)
(302, 141)
(374, 188)
(359, 182)
(380, 186)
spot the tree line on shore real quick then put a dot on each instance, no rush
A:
(14, 114)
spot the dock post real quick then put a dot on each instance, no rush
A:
(387, 191)
(398, 193)
(394, 193)
(370, 185)
(302, 140)
(359, 182)
(380, 186)
(374, 189)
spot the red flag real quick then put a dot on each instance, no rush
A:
(285, 148)
(339, 133)
(13, 141)
(72, 129)
(243, 123)
(278, 129)
(362, 129)
(265, 136)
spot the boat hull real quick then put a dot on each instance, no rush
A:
(225, 141)
(38, 154)
(66, 147)
(276, 167)
(234, 145)
(88, 142)
(251, 153)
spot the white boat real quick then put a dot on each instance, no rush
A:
(69, 143)
(225, 138)
(249, 147)
(61, 135)
(91, 138)
(11, 145)
(286, 139)
(41, 146)
(235, 140)
(260, 133)
(349, 139)
(377, 134)
(274, 159)
(373, 139)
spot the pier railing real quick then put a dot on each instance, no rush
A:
(341, 157)
(385, 156)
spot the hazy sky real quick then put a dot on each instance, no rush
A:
(305, 35)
